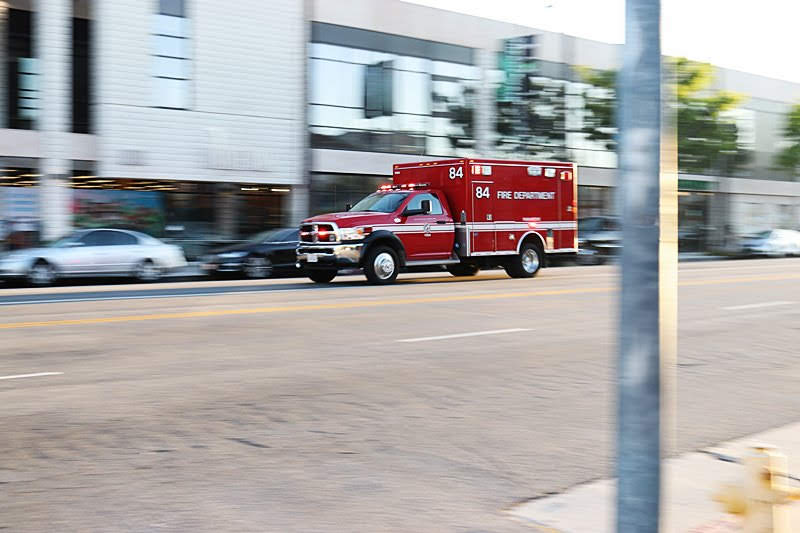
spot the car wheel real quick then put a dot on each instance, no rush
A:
(527, 264)
(147, 271)
(381, 265)
(322, 275)
(462, 269)
(41, 273)
(257, 267)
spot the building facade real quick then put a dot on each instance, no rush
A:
(465, 112)
(179, 117)
(207, 121)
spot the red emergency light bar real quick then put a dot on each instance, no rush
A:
(405, 187)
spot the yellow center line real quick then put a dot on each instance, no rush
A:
(362, 304)
(289, 308)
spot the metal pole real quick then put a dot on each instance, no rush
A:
(639, 373)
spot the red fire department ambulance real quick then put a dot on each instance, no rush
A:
(466, 214)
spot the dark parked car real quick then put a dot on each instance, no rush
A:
(599, 239)
(266, 254)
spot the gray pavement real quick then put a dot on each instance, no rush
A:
(282, 406)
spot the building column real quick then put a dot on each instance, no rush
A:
(486, 61)
(226, 210)
(53, 38)
(721, 233)
(298, 207)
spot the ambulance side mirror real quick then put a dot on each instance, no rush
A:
(348, 207)
(426, 207)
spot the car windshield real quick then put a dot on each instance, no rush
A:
(763, 234)
(381, 202)
(589, 225)
(65, 241)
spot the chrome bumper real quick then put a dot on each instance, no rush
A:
(329, 255)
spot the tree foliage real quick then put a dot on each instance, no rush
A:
(533, 123)
(789, 157)
(599, 120)
(708, 139)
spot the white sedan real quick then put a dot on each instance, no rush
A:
(95, 252)
(772, 243)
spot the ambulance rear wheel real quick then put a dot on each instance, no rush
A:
(527, 264)
(322, 276)
(381, 265)
(462, 269)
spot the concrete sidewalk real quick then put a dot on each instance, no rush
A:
(690, 480)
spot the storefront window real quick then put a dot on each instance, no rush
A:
(180, 210)
(331, 192)
(19, 208)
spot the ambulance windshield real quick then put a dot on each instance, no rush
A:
(381, 202)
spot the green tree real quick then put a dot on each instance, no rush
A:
(533, 122)
(789, 157)
(707, 136)
(599, 120)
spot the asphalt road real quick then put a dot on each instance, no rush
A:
(432, 405)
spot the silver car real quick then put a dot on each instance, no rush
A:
(772, 243)
(95, 252)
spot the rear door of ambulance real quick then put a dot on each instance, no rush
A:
(567, 236)
(480, 212)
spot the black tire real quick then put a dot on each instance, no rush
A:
(257, 267)
(41, 274)
(463, 269)
(147, 271)
(322, 275)
(381, 265)
(527, 264)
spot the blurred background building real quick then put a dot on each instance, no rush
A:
(209, 121)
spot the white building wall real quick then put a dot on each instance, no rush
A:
(52, 35)
(245, 122)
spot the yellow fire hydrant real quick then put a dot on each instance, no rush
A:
(763, 497)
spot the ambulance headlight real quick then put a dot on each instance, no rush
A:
(353, 234)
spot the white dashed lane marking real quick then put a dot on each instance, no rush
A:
(459, 335)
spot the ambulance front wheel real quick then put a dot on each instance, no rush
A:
(381, 265)
(462, 269)
(527, 263)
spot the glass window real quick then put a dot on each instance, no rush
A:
(171, 46)
(378, 89)
(366, 100)
(176, 8)
(170, 67)
(66, 241)
(99, 238)
(416, 203)
(279, 235)
(173, 26)
(455, 70)
(171, 51)
(334, 83)
(417, 64)
(120, 238)
(381, 202)
(412, 92)
(170, 93)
